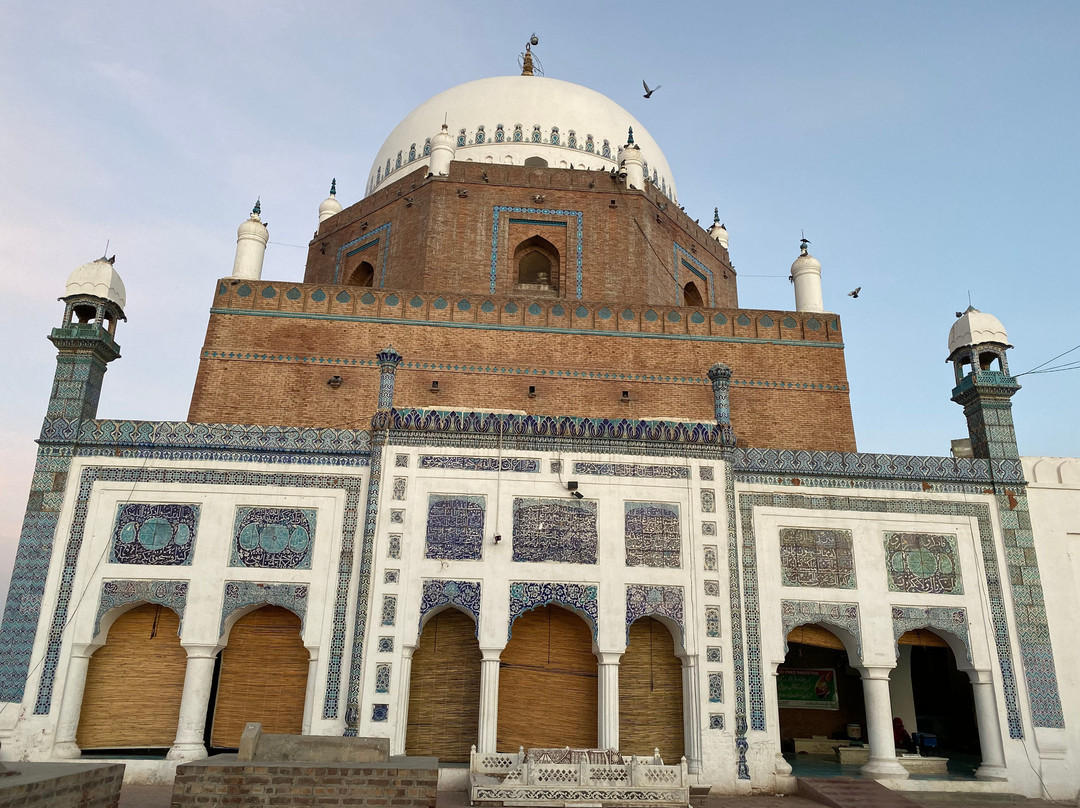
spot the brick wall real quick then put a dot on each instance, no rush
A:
(62, 785)
(440, 236)
(272, 346)
(223, 781)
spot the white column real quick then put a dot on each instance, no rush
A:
(489, 699)
(71, 706)
(309, 691)
(986, 714)
(879, 726)
(404, 685)
(194, 702)
(691, 696)
(607, 721)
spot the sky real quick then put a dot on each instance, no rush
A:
(928, 150)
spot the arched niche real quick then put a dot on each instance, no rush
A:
(650, 691)
(692, 296)
(536, 162)
(362, 275)
(134, 680)
(444, 687)
(536, 262)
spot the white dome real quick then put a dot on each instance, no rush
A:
(98, 278)
(329, 206)
(974, 328)
(805, 263)
(547, 109)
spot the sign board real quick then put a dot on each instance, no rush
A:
(807, 688)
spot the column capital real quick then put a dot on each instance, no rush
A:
(609, 657)
(491, 654)
(876, 671)
(200, 650)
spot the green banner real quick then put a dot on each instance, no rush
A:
(807, 688)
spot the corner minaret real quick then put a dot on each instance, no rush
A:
(718, 231)
(631, 164)
(94, 301)
(251, 239)
(977, 346)
(806, 275)
(330, 205)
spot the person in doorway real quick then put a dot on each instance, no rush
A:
(901, 737)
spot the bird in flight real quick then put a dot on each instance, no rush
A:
(854, 292)
(649, 91)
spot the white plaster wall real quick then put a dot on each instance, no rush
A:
(1054, 500)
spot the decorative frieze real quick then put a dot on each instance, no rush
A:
(652, 534)
(455, 527)
(819, 558)
(644, 600)
(170, 594)
(923, 562)
(526, 596)
(241, 594)
(464, 463)
(274, 538)
(946, 619)
(644, 470)
(796, 613)
(463, 594)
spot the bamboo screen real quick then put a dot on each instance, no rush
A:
(444, 689)
(134, 683)
(263, 677)
(547, 683)
(650, 693)
(927, 639)
(815, 635)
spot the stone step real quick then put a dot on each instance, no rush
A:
(849, 792)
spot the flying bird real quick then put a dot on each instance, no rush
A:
(854, 292)
(648, 91)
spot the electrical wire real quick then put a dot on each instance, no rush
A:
(1036, 369)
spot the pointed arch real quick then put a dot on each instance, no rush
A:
(650, 692)
(362, 275)
(692, 296)
(537, 262)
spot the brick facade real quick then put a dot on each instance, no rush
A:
(223, 781)
(61, 785)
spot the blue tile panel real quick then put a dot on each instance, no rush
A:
(795, 613)
(401, 487)
(31, 569)
(463, 594)
(716, 720)
(562, 530)
(716, 688)
(386, 645)
(526, 596)
(714, 654)
(687, 261)
(171, 594)
(652, 534)
(735, 596)
(225, 478)
(389, 610)
(241, 594)
(455, 527)
(927, 563)
(712, 589)
(662, 472)
(944, 619)
(460, 463)
(708, 528)
(705, 472)
(708, 500)
(377, 238)
(382, 677)
(393, 546)
(818, 558)
(646, 600)
(380, 712)
(710, 560)
(273, 538)
(712, 621)
(578, 240)
(154, 534)
(881, 505)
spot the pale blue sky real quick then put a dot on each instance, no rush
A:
(929, 149)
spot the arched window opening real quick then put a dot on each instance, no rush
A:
(363, 275)
(85, 313)
(650, 693)
(536, 162)
(537, 263)
(691, 295)
(987, 361)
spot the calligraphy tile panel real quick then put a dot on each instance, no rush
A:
(273, 538)
(653, 538)
(821, 558)
(923, 562)
(555, 530)
(455, 527)
(154, 534)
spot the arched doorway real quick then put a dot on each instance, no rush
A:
(650, 693)
(363, 275)
(262, 677)
(134, 683)
(930, 695)
(547, 683)
(691, 295)
(444, 689)
(818, 692)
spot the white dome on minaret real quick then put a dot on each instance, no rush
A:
(508, 119)
(718, 231)
(251, 240)
(330, 205)
(806, 275)
(100, 279)
(975, 327)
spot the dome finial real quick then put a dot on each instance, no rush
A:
(333, 187)
(630, 137)
(716, 215)
(527, 57)
(803, 248)
(257, 210)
